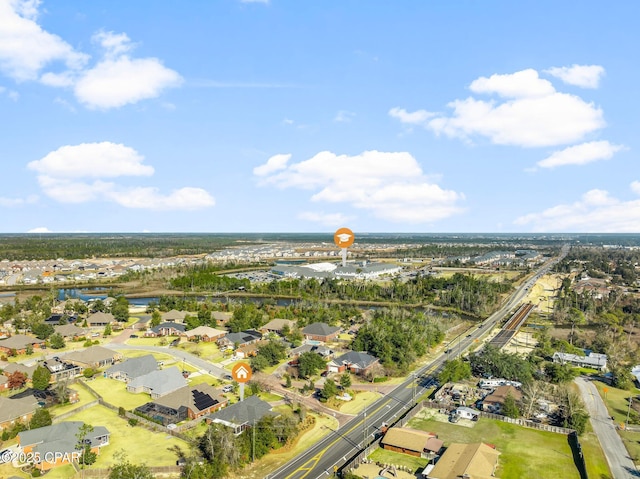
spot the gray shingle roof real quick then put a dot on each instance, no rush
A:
(353, 358)
(16, 408)
(160, 382)
(244, 412)
(61, 437)
(134, 367)
(320, 329)
(19, 341)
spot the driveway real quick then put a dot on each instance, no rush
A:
(620, 464)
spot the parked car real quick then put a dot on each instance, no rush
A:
(227, 389)
(133, 336)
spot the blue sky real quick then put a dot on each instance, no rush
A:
(300, 116)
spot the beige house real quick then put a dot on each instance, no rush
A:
(477, 461)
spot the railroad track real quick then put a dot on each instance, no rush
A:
(512, 326)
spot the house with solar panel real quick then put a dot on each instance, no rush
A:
(242, 415)
(183, 404)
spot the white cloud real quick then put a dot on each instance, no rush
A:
(326, 219)
(418, 117)
(390, 185)
(76, 173)
(149, 198)
(93, 160)
(40, 229)
(344, 116)
(596, 210)
(581, 154)
(13, 202)
(118, 82)
(533, 114)
(25, 48)
(113, 81)
(585, 76)
(273, 164)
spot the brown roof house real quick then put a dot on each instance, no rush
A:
(411, 441)
(475, 461)
(277, 325)
(494, 402)
(198, 400)
(205, 333)
(100, 319)
(16, 410)
(69, 331)
(221, 317)
(175, 316)
(93, 357)
(19, 343)
(320, 332)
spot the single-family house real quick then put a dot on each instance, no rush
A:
(240, 339)
(168, 328)
(411, 441)
(241, 415)
(70, 331)
(158, 383)
(205, 334)
(320, 332)
(319, 349)
(277, 325)
(132, 368)
(99, 319)
(93, 357)
(221, 317)
(477, 461)
(16, 410)
(494, 402)
(464, 412)
(56, 445)
(198, 400)
(592, 360)
(19, 343)
(355, 362)
(174, 316)
(27, 370)
(62, 370)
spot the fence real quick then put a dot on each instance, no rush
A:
(527, 423)
(89, 473)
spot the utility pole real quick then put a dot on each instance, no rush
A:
(253, 442)
(364, 427)
(626, 423)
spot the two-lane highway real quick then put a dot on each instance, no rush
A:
(332, 452)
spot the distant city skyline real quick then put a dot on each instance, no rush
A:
(285, 116)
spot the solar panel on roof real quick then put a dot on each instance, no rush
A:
(202, 400)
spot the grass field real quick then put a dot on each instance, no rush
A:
(140, 445)
(525, 453)
(205, 350)
(115, 392)
(357, 404)
(389, 457)
(84, 396)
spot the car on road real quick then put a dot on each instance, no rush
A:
(174, 343)
(133, 336)
(228, 377)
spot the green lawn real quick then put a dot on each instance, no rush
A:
(389, 457)
(359, 401)
(147, 341)
(525, 453)
(140, 444)
(115, 392)
(205, 350)
(594, 457)
(84, 396)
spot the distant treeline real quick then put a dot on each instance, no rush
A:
(76, 246)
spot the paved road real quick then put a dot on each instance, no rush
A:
(620, 464)
(335, 450)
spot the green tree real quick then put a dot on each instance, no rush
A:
(156, 318)
(42, 330)
(510, 407)
(559, 373)
(329, 390)
(40, 418)
(84, 446)
(107, 330)
(41, 378)
(454, 370)
(56, 341)
(259, 363)
(125, 469)
(345, 380)
(120, 309)
(310, 363)
(89, 373)
(29, 350)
